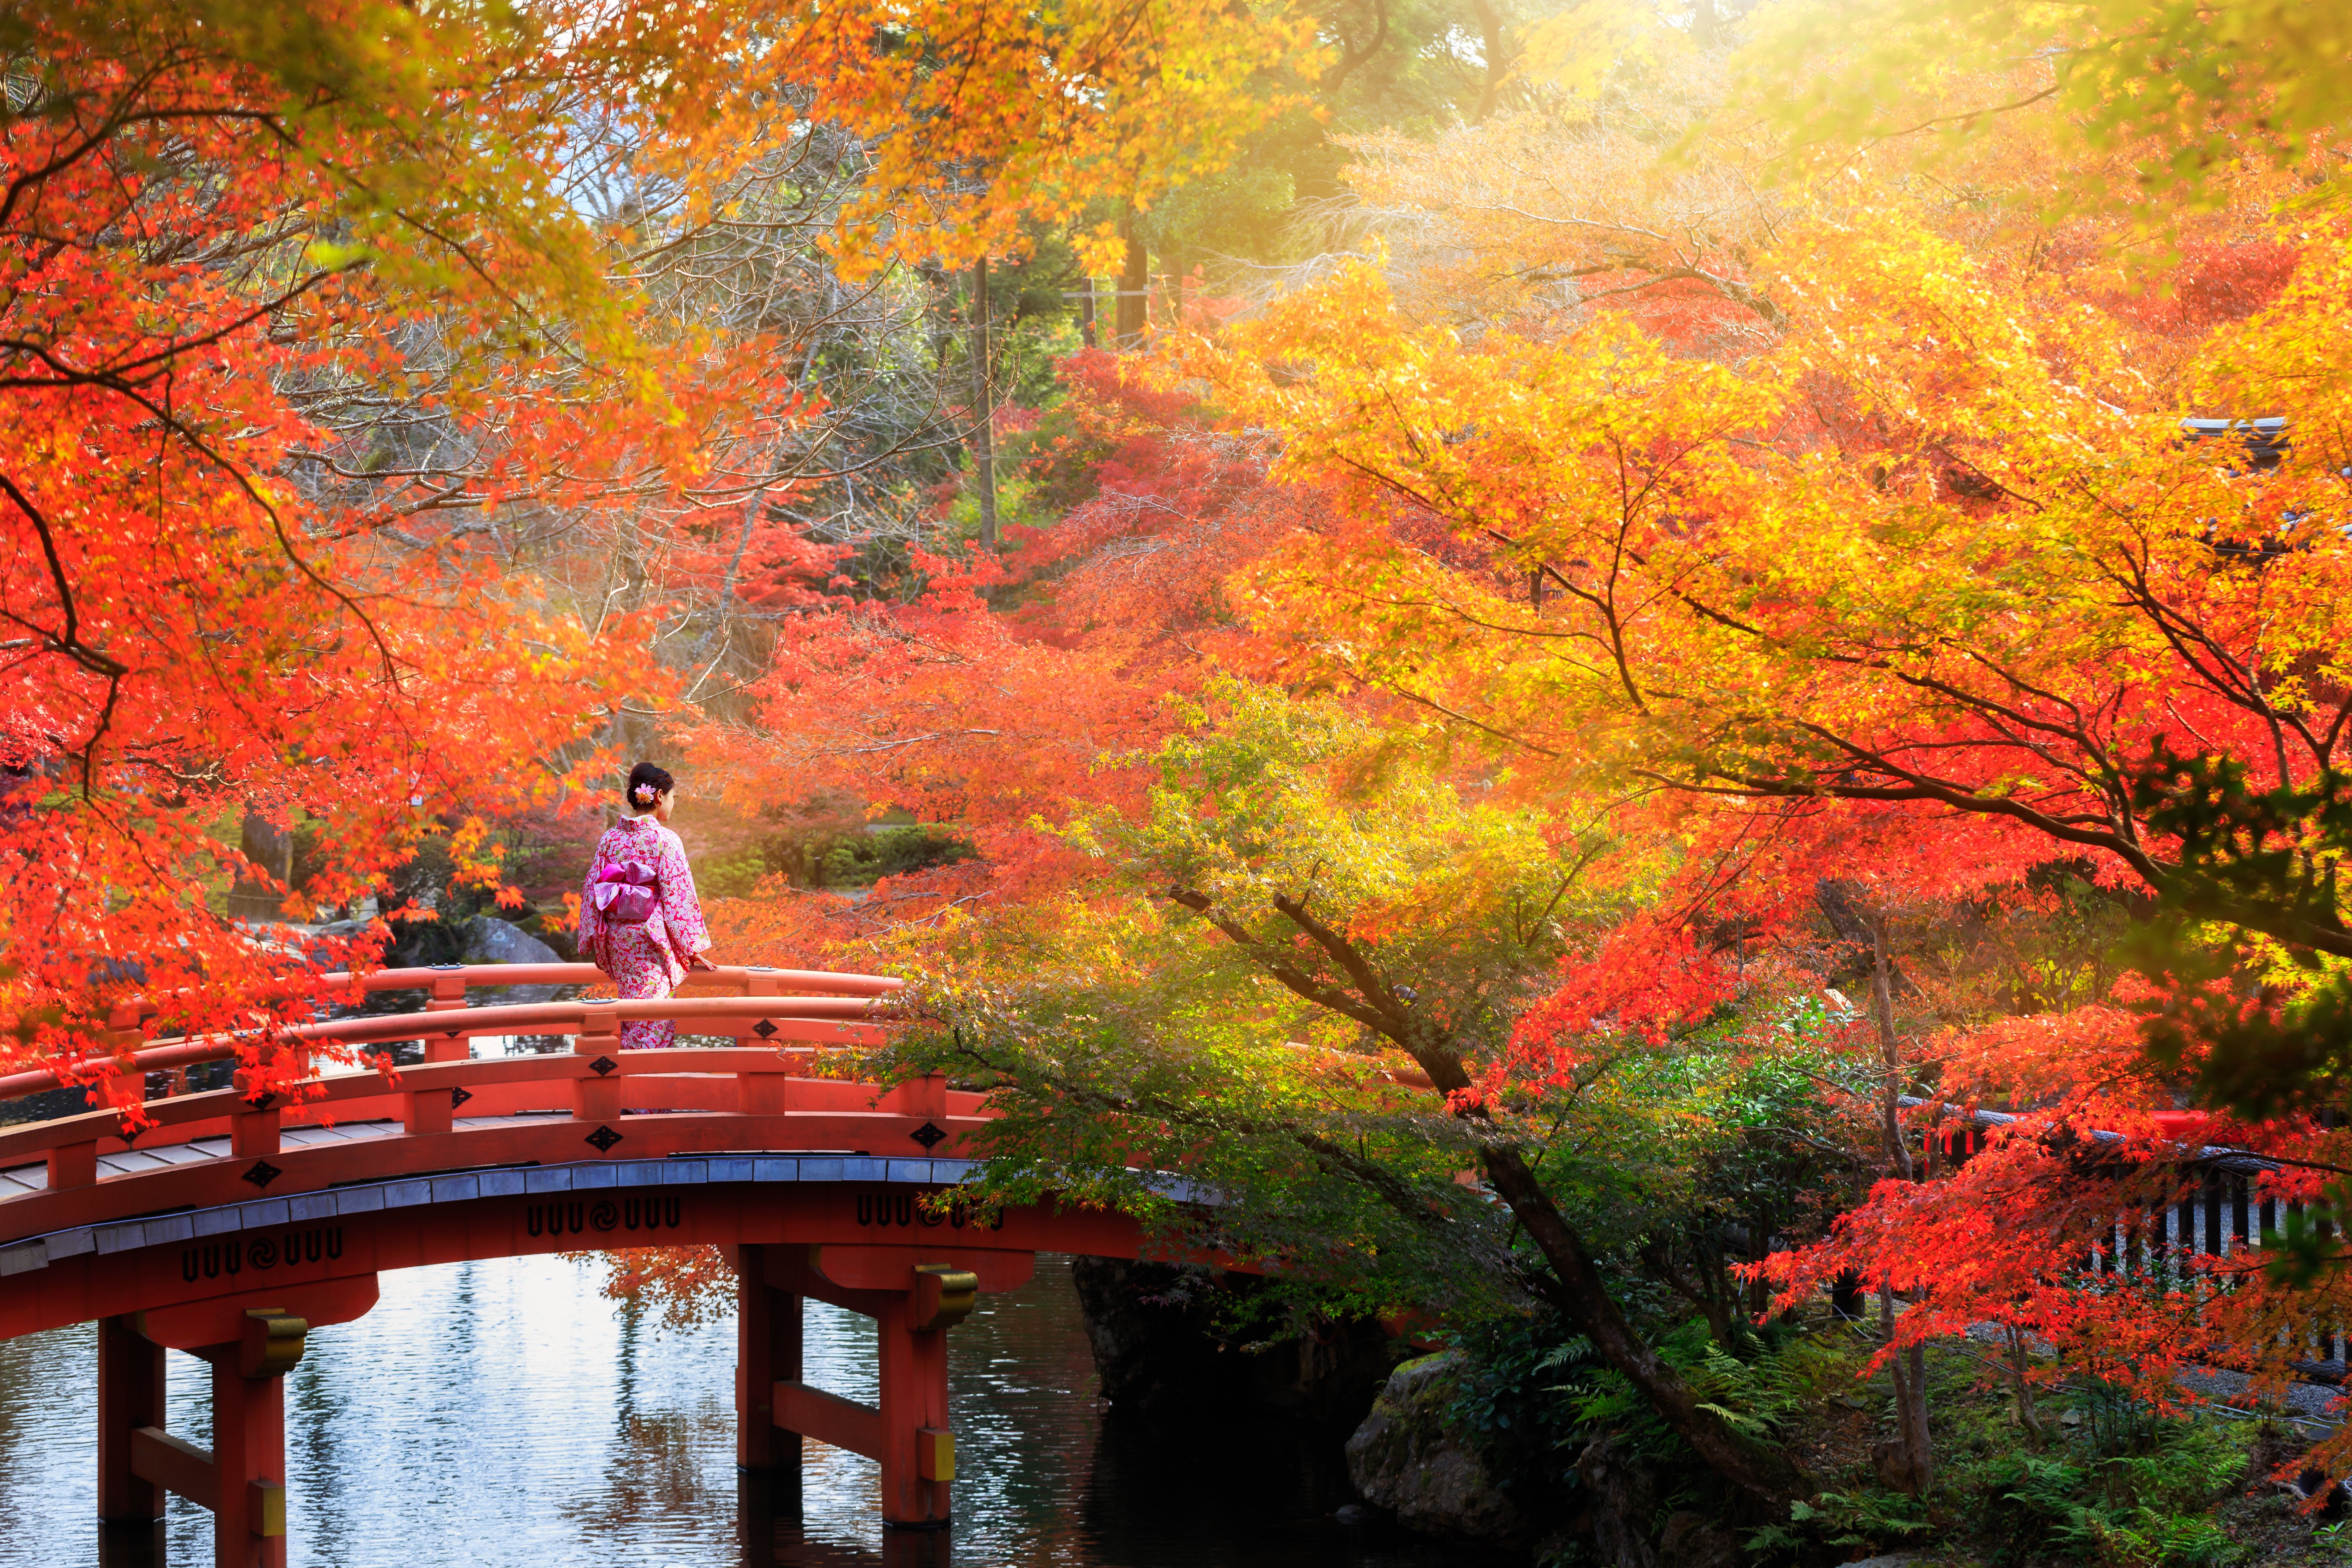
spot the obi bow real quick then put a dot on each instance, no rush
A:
(623, 894)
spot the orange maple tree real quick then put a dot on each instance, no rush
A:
(304, 301)
(1854, 551)
(1914, 590)
(1007, 716)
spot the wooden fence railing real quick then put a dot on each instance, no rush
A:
(2222, 1214)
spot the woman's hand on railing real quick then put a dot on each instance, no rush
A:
(696, 961)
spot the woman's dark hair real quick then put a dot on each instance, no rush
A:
(647, 781)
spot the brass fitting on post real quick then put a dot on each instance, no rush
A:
(944, 1296)
(272, 1343)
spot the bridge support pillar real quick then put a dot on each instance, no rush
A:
(248, 1461)
(129, 1396)
(767, 1351)
(917, 1447)
(913, 1304)
(242, 1478)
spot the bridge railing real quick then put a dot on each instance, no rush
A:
(765, 1072)
(449, 983)
(447, 988)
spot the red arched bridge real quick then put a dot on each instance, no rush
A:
(242, 1221)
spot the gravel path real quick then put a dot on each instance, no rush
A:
(2313, 1403)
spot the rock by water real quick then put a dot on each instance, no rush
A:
(1694, 1540)
(489, 940)
(1406, 1458)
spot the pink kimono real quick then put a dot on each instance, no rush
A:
(646, 959)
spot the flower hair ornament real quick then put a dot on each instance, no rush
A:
(643, 795)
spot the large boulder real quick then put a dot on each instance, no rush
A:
(1407, 1458)
(1153, 1334)
(1694, 1540)
(489, 940)
(1619, 1508)
(270, 848)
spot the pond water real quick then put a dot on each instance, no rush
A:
(503, 1413)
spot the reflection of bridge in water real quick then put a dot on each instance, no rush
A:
(236, 1225)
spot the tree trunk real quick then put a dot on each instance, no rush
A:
(1912, 1468)
(1751, 1466)
(1495, 44)
(1755, 1467)
(2027, 1415)
(1890, 1054)
(983, 435)
(1923, 1447)
(1134, 284)
(938, 304)
(1906, 1463)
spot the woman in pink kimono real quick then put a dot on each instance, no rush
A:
(639, 919)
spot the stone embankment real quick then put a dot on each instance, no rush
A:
(1408, 1459)
(1164, 1349)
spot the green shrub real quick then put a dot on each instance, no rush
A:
(2144, 1509)
(733, 878)
(1759, 1396)
(831, 858)
(867, 858)
(1508, 1402)
(1874, 1519)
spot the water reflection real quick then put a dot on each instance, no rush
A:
(502, 1414)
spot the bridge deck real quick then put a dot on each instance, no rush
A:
(812, 1171)
(23, 1181)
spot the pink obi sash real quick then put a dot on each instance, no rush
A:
(623, 894)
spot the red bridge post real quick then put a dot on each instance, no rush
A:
(597, 1099)
(905, 1430)
(129, 1396)
(255, 1125)
(917, 1445)
(242, 1478)
(448, 995)
(248, 1461)
(767, 1351)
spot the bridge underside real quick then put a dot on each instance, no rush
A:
(277, 1245)
(220, 1281)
